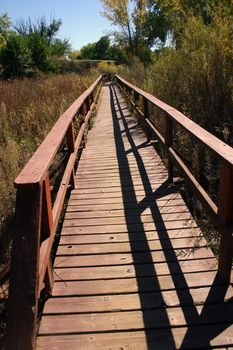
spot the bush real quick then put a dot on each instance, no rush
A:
(15, 57)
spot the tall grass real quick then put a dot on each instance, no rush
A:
(28, 109)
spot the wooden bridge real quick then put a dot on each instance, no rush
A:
(132, 268)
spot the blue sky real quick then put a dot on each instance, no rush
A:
(81, 19)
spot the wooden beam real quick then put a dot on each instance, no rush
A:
(225, 213)
(24, 277)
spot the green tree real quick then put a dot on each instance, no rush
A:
(102, 48)
(15, 57)
(38, 51)
(60, 47)
(88, 51)
(47, 31)
(5, 28)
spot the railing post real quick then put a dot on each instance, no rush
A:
(168, 138)
(24, 277)
(146, 116)
(136, 98)
(225, 212)
(71, 148)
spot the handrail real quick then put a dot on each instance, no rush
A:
(36, 221)
(36, 168)
(222, 213)
(220, 148)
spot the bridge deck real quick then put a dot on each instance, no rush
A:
(132, 270)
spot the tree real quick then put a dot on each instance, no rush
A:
(174, 14)
(140, 25)
(31, 47)
(102, 48)
(38, 50)
(118, 13)
(88, 51)
(15, 57)
(5, 28)
(47, 31)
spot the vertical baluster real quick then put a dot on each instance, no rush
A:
(146, 116)
(225, 212)
(168, 137)
(71, 149)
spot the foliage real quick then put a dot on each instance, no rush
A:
(15, 57)
(196, 78)
(102, 50)
(31, 48)
(130, 22)
(5, 25)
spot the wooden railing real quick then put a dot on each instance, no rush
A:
(222, 213)
(36, 221)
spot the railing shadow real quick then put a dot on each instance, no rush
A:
(156, 318)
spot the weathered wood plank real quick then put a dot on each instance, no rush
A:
(144, 270)
(132, 320)
(127, 247)
(166, 339)
(71, 220)
(136, 258)
(134, 285)
(130, 227)
(135, 237)
(123, 302)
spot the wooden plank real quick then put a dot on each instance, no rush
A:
(134, 285)
(143, 246)
(80, 207)
(143, 270)
(166, 339)
(119, 199)
(151, 300)
(115, 186)
(132, 320)
(177, 207)
(124, 237)
(136, 258)
(71, 230)
(124, 172)
(72, 220)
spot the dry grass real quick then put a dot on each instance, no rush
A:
(28, 109)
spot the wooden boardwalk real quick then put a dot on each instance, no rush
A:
(132, 270)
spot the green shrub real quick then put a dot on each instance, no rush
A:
(15, 57)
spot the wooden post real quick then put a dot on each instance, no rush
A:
(225, 212)
(70, 138)
(146, 116)
(168, 138)
(24, 278)
(136, 98)
(71, 148)
(87, 101)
